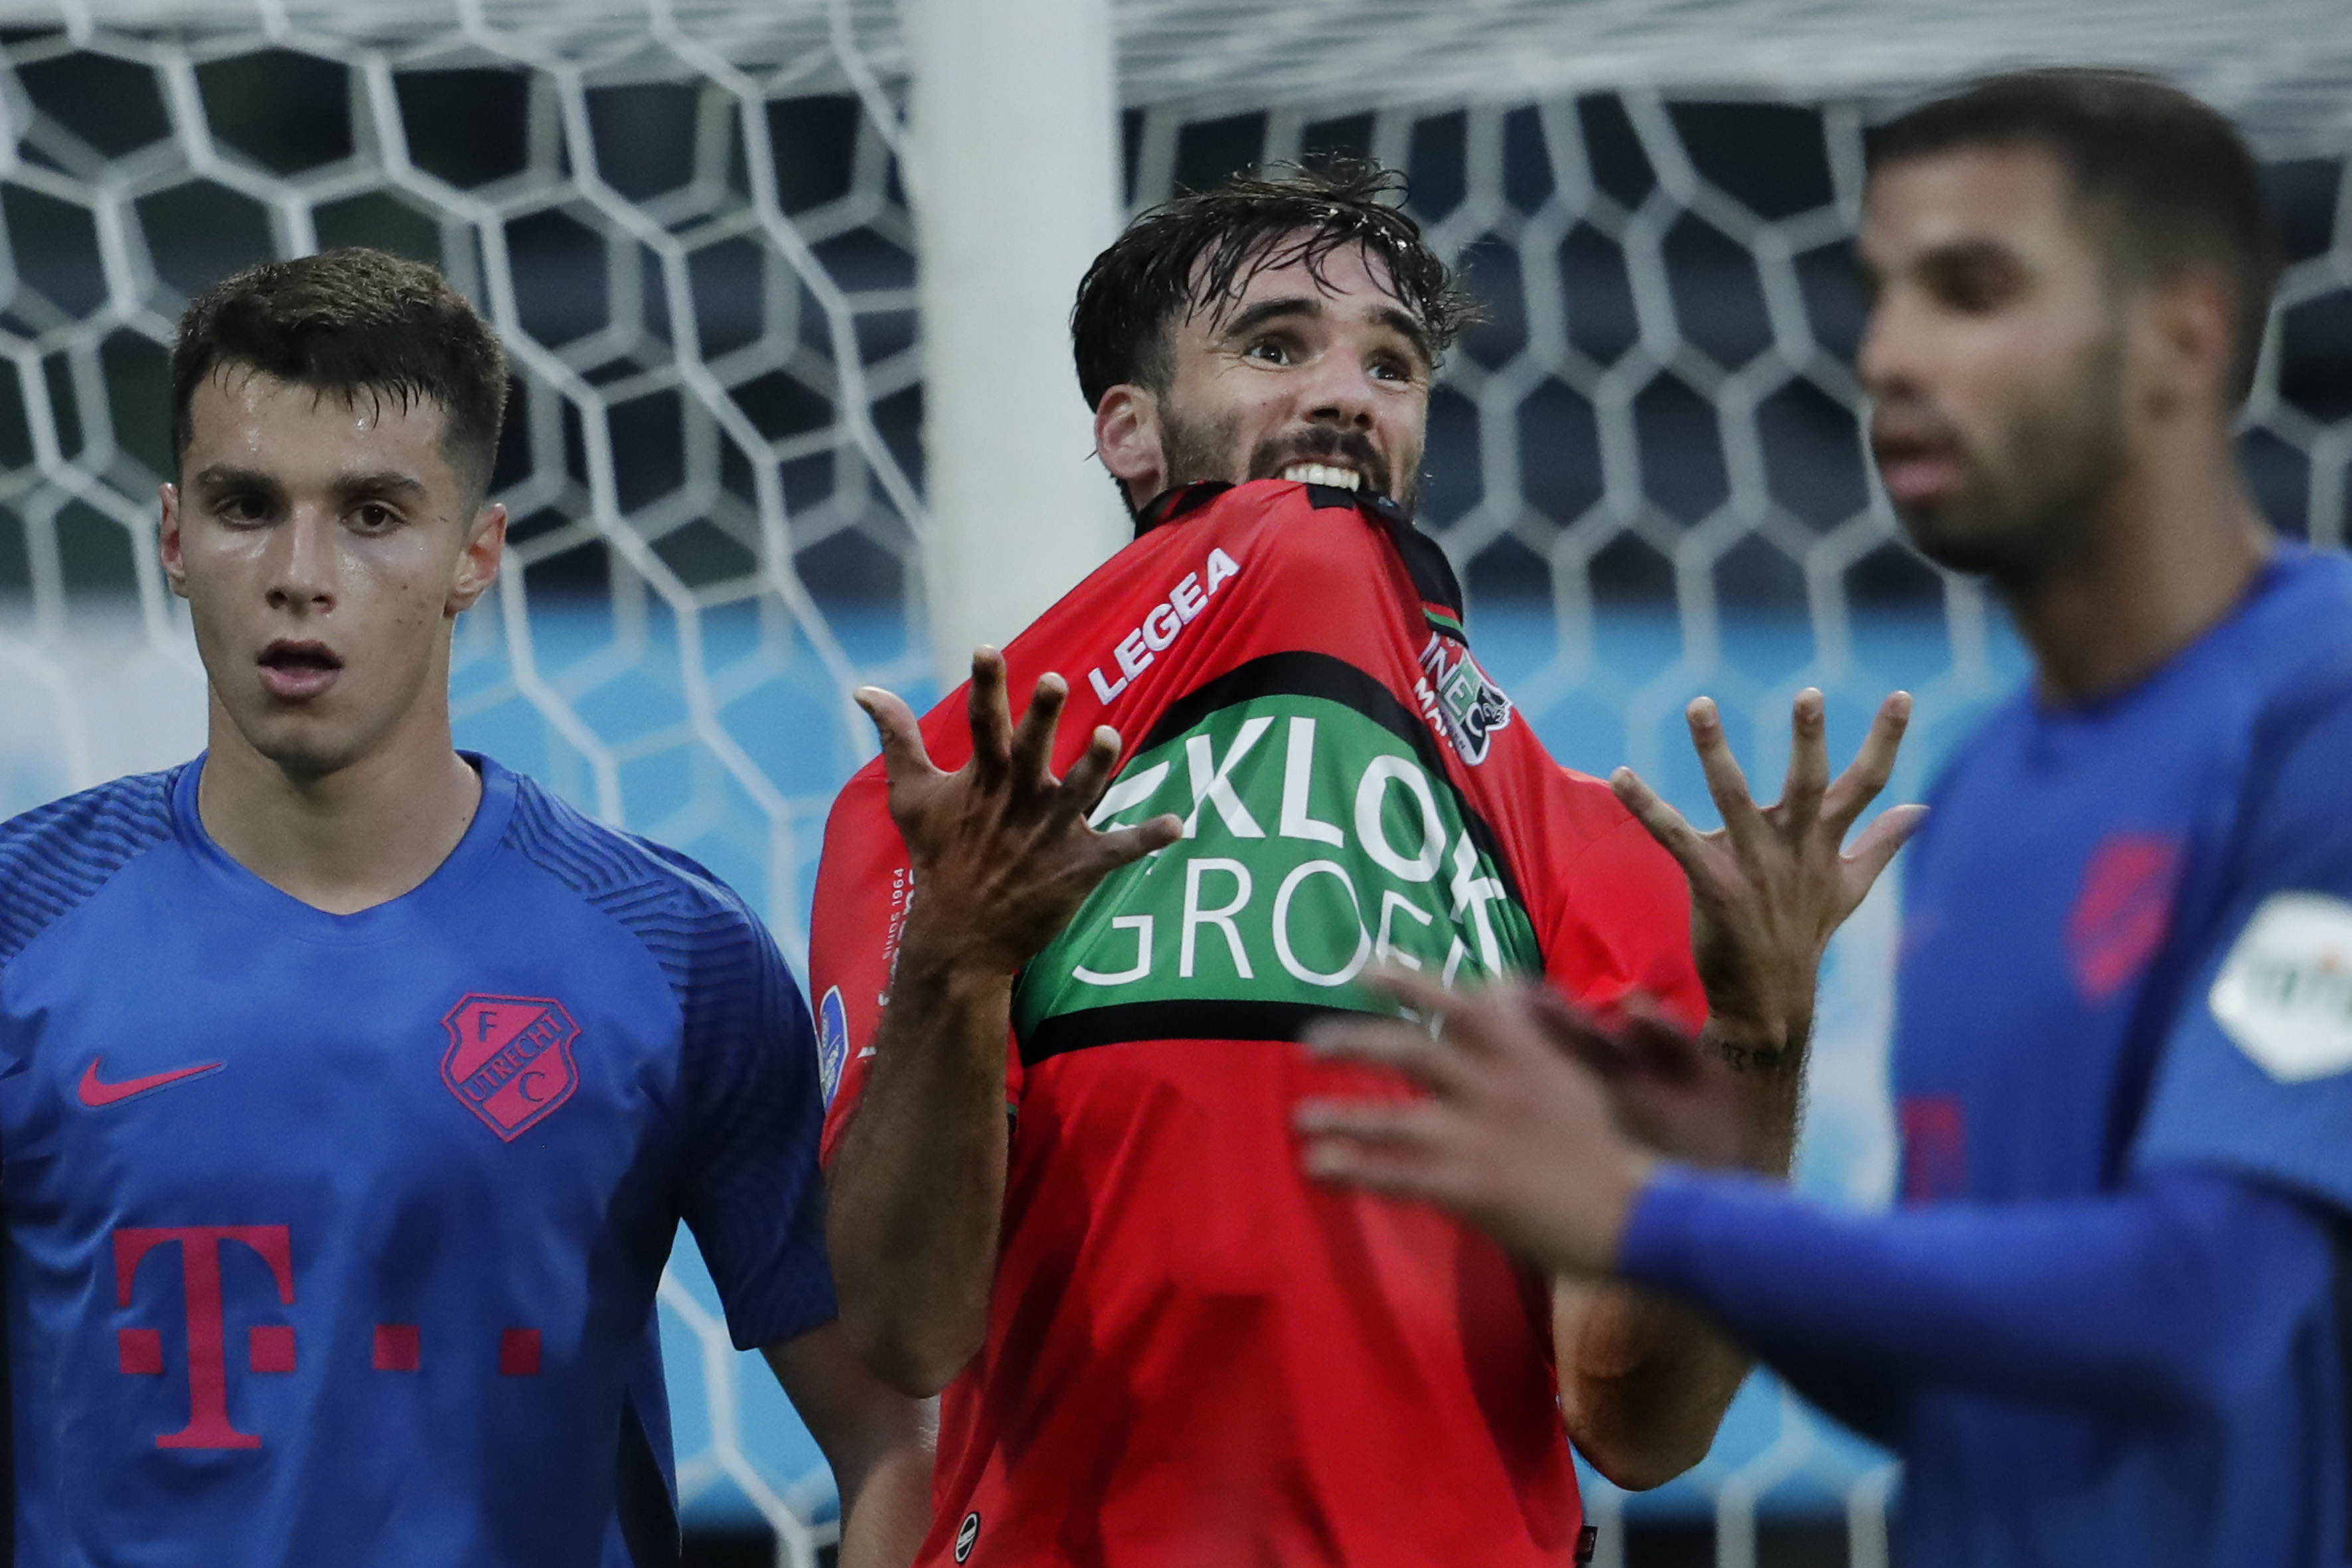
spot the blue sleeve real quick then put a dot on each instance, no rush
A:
(2178, 1294)
(750, 1186)
(2256, 1074)
(747, 1103)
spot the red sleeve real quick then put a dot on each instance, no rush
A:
(863, 886)
(1625, 926)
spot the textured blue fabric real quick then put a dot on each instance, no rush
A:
(748, 1077)
(2214, 1104)
(2080, 875)
(334, 1238)
(57, 856)
(2174, 1299)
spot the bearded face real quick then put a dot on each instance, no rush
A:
(1211, 448)
(1313, 373)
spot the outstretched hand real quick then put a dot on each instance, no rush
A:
(1772, 885)
(1001, 851)
(1515, 1136)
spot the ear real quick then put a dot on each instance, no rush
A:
(1127, 440)
(167, 540)
(2189, 343)
(478, 564)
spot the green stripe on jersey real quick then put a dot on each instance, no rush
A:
(1316, 840)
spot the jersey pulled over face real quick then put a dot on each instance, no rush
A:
(1195, 1354)
(324, 544)
(333, 1239)
(2126, 947)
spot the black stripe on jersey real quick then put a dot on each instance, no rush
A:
(1303, 674)
(1187, 1020)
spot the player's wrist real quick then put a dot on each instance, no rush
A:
(956, 947)
(1759, 1046)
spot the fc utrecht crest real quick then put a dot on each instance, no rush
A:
(510, 1059)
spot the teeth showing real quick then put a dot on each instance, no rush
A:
(1318, 474)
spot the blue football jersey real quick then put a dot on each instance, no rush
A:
(2117, 955)
(334, 1239)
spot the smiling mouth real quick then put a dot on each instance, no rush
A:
(1324, 474)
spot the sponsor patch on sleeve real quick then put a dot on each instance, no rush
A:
(2284, 994)
(831, 1042)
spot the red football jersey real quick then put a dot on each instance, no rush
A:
(1195, 1354)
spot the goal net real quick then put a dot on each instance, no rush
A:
(690, 223)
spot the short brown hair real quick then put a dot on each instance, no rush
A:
(353, 321)
(2171, 184)
(1204, 248)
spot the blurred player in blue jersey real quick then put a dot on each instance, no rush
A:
(2108, 1326)
(353, 1089)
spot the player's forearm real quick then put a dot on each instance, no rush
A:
(886, 1506)
(1644, 1381)
(878, 1444)
(2163, 1298)
(917, 1190)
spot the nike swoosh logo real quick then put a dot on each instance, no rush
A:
(96, 1092)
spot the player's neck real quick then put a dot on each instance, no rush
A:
(346, 841)
(2175, 548)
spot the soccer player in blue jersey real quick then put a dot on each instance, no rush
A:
(353, 1089)
(2107, 1325)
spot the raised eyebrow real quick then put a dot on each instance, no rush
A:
(1244, 322)
(1400, 321)
(1407, 326)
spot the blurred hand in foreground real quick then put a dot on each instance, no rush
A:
(1517, 1135)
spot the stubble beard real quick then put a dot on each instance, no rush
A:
(2030, 511)
(1198, 449)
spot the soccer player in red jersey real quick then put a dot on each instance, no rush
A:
(1062, 1183)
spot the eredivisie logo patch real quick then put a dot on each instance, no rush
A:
(2284, 992)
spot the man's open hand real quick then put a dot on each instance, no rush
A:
(1515, 1136)
(1001, 852)
(1770, 885)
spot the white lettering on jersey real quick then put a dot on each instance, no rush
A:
(1161, 624)
(2284, 994)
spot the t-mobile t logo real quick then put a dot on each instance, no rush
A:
(270, 1347)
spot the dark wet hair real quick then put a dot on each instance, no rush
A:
(354, 323)
(2170, 185)
(1201, 250)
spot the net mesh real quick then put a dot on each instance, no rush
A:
(689, 225)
